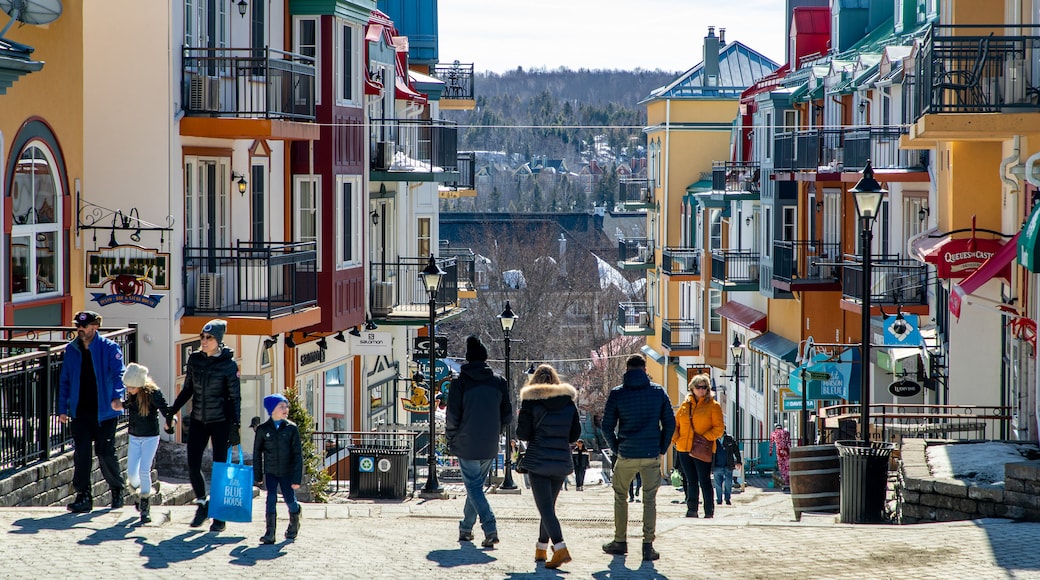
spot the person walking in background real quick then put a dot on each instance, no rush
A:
(478, 411)
(580, 459)
(143, 404)
(725, 460)
(781, 441)
(90, 394)
(699, 414)
(278, 464)
(549, 422)
(637, 426)
(212, 386)
(634, 487)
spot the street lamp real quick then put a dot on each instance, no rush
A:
(431, 278)
(507, 319)
(867, 194)
(737, 350)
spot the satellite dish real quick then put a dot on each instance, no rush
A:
(31, 11)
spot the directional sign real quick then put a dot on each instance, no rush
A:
(795, 404)
(817, 376)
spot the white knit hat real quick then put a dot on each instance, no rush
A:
(135, 375)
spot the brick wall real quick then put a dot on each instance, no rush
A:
(923, 498)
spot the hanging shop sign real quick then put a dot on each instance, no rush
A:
(904, 388)
(129, 273)
(371, 343)
(958, 258)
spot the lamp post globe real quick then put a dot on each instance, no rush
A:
(507, 319)
(868, 196)
(431, 279)
(737, 351)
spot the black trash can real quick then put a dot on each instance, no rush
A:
(864, 480)
(378, 472)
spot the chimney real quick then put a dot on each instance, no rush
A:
(563, 254)
(710, 71)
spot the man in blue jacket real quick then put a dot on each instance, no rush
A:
(637, 424)
(479, 408)
(90, 394)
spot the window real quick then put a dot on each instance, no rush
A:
(348, 82)
(768, 141)
(258, 196)
(306, 44)
(206, 214)
(423, 229)
(36, 260)
(913, 208)
(790, 225)
(714, 318)
(205, 23)
(716, 229)
(831, 216)
(767, 225)
(305, 220)
(348, 223)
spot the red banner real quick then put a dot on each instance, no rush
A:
(959, 258)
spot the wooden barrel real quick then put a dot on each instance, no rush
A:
(815, 485)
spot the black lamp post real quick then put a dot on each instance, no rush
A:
(431, 278)
(737, 350)
(868, 195)
(507, 319)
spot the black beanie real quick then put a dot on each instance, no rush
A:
(475, 350)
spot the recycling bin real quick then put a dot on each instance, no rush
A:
(864, 480)
(378, 472)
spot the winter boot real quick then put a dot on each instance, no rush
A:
(540, 551)
(82, 505)
(649, 553)
(272, 523)
(217, 525)
(561, 555)
(201, 513)
(145, 506)
(117, 498)
(294, 524)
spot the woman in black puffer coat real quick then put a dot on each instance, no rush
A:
(549, 422)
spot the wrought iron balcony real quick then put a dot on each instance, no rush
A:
(635, 253)
(969, 69)
(636, 192)
(735, 176)
(681, 335)
(806, 265)
(247, 83)
(635, 319)
(399, 295)
(681, 261)
(458, 80)
(808, 150)
(881, 146)
(735, 270)
(893, 280)
(466, 162)
(425, 149)
(465, 262)
(266, 279)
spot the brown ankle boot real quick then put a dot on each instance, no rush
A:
(541, 552)
(559, 558)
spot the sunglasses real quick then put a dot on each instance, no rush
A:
(206, 337)
(83, 324)
(700, 387)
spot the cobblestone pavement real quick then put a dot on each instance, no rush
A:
(756, 537)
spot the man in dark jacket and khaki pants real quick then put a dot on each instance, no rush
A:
(479, 409)
(637, 424)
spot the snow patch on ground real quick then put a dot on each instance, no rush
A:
(976, 463)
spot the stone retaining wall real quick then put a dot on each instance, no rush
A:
(924, 498)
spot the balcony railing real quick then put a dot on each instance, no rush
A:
(247, 83)
(809, 149)
(677, 261)
(466, 162)
(969, 69)
(414, 145)
(458, 80)
(735, 267)
(634, 318)
(893, 280)
(465, 262)
(397, 288)
(636, 252)
(636, 191)
(30, 431)
(680, 335)
(806, 261)
(266, 279)
(735, 176)
(881, 146)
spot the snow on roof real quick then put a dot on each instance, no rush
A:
(608, 275)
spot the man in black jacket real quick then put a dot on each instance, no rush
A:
(727, 458)
(478, 411)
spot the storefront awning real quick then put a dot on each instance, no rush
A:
(991, 268)
(743, 315)
(1029, 242)
(774, 345)
(954, 258)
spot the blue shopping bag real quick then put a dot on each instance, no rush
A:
(231, 491)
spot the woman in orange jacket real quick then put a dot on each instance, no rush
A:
(700, 414)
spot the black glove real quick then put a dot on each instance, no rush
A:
(234, 437)
(259, 484)
(169, 424)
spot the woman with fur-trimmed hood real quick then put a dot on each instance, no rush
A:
(549, 423)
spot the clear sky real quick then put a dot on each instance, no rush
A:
(500, 35)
